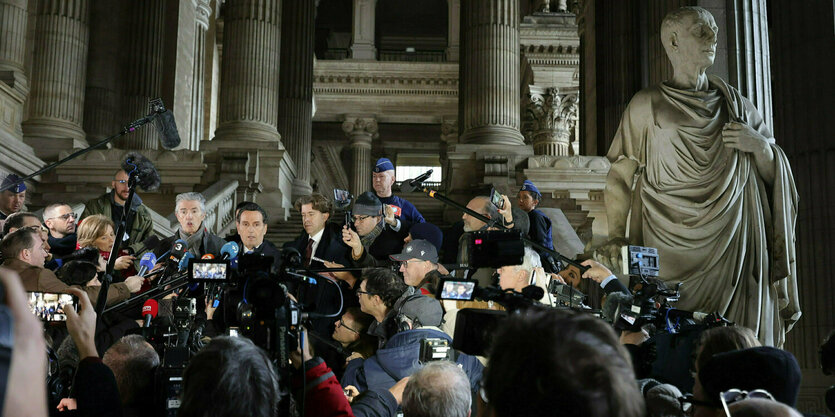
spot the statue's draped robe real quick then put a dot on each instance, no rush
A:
(720, 228)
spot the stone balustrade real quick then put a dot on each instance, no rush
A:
(220, 207)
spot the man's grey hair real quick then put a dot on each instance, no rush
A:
(191, 196)
(488, 209)
(530, 260)
(439, 389)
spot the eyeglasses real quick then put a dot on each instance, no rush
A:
(342, 324)
(406, 263)
(121, 181)
(359, 292)
(735, 395)
(65, 217)
(687, 403)
(360, 218)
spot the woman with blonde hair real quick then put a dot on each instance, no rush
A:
(97, 232)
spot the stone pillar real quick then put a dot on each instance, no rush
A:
(203, 11)
(362, 42)
(248, 106)
(103, 115)
(550, 120)
(361, 130)
(56, 99)
(143, 70)
(453, 30)
(247, 145)
(489, 72)
(13, 19)
(295, 101)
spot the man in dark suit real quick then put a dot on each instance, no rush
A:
(191, 211)
(251, 224)
(322, 242)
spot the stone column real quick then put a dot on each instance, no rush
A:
(248, 106)
(550, 118)
(361, 130)
(56, 99)
(295, 101)
(203, 11)
(143, 69)
(362, 42)
(453, 30)
(103, 115)
(13, 43)
(489, 72)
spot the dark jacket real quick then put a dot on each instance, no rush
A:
(408, 211)
(411, 310)
(142, 226)
(331, 247)
(386, 244)
(401, 358)
(61, 247)
(211, 244)
(95, 389)
(266, 248)
(540, 232)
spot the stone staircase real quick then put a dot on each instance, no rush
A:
(431, 209)
(285, 231)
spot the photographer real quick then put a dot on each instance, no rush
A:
(379, 233)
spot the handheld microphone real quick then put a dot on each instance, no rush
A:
(165, 124)
(183, 265)
(411, 185)
(178, 250)
(207, 256)
(147, 263)
(149, 311)
(146, 173)
(229, 251)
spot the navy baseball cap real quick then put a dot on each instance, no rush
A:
(528, 186)
(18, 186)
(417, 249)
(383, 164)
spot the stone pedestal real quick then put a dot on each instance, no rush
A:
(13, 19)
(361, 130)
(488, 100)
(582, 178)
(362, 42)
(59, 64)
(550, 120)
(295, 102)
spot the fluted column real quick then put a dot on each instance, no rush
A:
(295, 99)
(453, 30)
(749, 60)
(361, 131)
(550, 118)
(489, 72)
(201, 24)
(58, 76)
(13, 42)
(362, 37)
(103, 115)
(143, 69)
(248, 107)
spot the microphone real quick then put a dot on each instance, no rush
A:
(146, 173)
(533, 292)
(149, 311)
(411, 185)
(615, 303)
(207, 256)
(184, 261)
(229, 251)
(165, 124)
(178, 250)
(147, 263)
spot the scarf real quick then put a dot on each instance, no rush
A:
(194, 242)
(368, 239)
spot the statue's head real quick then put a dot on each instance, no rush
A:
(689, 36)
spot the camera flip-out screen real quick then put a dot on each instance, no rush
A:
(208, 270)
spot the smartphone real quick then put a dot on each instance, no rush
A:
(451, 289)
(233, 332)
(341, 196)
(209, 270)
(496, 198)
(50, 307)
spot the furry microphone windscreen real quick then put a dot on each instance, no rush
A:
(146, 174)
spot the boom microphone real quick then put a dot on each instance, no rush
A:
(149, 311)
(166, 126)
(411, 185)
(146, 174)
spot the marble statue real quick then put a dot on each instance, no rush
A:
(696, 173)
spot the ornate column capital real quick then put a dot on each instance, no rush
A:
(202, 12)
(360, 129)
(550, 118)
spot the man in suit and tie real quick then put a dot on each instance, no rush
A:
(251, 224)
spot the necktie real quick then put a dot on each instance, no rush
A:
(308, 252)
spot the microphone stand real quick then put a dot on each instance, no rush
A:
(494, 223)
